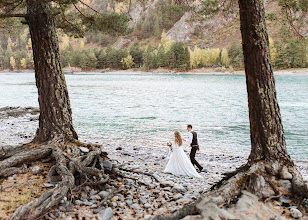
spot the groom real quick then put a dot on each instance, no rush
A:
(194, 143)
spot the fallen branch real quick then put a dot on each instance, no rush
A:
(140, 172)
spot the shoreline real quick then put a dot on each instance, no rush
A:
(20, 125)
(140, 196)
(162, 71)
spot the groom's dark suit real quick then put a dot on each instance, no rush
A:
(194, 147)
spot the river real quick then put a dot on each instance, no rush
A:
(145, 109)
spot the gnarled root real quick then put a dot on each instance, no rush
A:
(248, 181)
(72, 168)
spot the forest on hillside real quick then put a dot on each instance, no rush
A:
(148, 46)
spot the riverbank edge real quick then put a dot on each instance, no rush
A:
(164, 71)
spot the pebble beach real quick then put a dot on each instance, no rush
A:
(140, 196)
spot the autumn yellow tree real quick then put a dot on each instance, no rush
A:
(128, 62)
(12, 62)
(225, 60)
(23, 63)
(165, 41)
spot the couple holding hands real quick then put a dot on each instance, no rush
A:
(179, 164)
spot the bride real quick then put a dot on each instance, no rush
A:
(179, 164)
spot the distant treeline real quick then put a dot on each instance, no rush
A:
(17, 54)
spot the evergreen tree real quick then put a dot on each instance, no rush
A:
(102, 60)
(161, 57)
(137, 54)
(236, 55)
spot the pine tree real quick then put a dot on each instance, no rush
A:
(161, 57)
(137, 54)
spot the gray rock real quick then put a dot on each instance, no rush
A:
(88, 203)
(192, 217)
(142, 200)
(37, 170)
(107, 165)
(93, 198)
(103, 194)
(84, 149)
(78, 202)
(156, 192)
(295, 213)
(95, 211)
(266, 193)
(177, 196)
(286, 185)
(178, 189)
(129, 203)
(186, 185)
(136, 207)
(105, 214)
(166, 184)
(284, 174)
(93, 193)
(147, 205)
(12, 177)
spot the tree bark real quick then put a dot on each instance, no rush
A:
(55, 111)
(266, 130)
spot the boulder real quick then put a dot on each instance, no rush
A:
(37, 170)
(295, 213)
(84, 149)
(105, 214)
(107, 165)
(286, 185)
(178, 189)
(284, 174)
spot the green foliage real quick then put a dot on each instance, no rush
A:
(137, 55)
(293, 54)
(236, 56)
(161, 57)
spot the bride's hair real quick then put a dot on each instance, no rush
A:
(178, 138)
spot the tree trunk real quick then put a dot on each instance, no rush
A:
(266, 131)
(55, 111)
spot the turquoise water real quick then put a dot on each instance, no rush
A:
(144, 110)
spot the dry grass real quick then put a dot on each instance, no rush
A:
(21, 190)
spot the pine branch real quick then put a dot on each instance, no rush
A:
(13, 15)
(88, 6)
(90, 19)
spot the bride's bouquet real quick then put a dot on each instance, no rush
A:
(169, 144)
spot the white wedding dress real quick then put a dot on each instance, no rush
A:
(179, 164)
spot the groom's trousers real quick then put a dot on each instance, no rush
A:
(192, 157)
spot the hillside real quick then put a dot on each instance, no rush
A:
(151, 21)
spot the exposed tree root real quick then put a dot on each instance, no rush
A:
(189, 209)
(31, 155)
(225, 193)
(72, 168)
